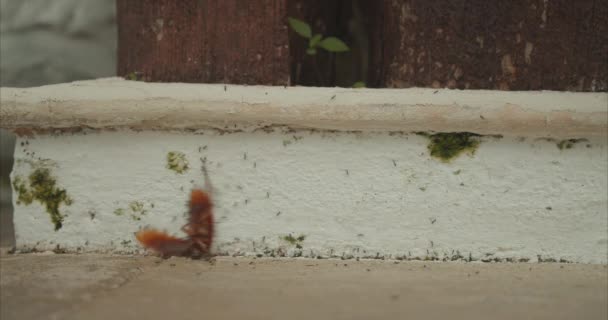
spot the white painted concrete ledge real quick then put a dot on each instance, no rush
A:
(361, 184)
(117, 103)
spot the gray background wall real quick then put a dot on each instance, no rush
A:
(44, 42)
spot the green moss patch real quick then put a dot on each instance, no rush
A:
(447, 146)
(177, 162)
(42, 186)
(297, 241)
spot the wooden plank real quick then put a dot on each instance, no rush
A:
(209, 41)
(480, 44)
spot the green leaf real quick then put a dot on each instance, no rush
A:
(359, 84)
(301, 27)
(311, 51)
(314, 40)
(333, 44)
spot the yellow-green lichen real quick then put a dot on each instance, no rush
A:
(177, 162)
(136, 208)
(297, 241)
(447, 146)
(43, 188)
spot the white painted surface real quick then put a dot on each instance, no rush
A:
(116, 103)
(511, 199)
(358, 191)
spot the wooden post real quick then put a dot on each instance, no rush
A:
(480, 44)
(210, 41)
(464, 44)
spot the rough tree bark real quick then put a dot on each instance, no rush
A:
(211, 41)
(480, 44)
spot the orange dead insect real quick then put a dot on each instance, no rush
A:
(199, 229)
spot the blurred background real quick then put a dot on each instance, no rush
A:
(45, 42)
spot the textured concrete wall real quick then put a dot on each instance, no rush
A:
(313, 171)
(347, 194)
(44, 42)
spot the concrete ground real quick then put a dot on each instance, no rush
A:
(61, 286)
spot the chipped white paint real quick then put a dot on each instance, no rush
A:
(370, 193)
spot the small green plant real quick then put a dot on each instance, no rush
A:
(319, 41)
(331, 44)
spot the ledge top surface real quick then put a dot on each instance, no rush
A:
(112, 103)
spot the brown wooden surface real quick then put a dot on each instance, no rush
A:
(481, 44)
(211, 41)
(465, 44)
